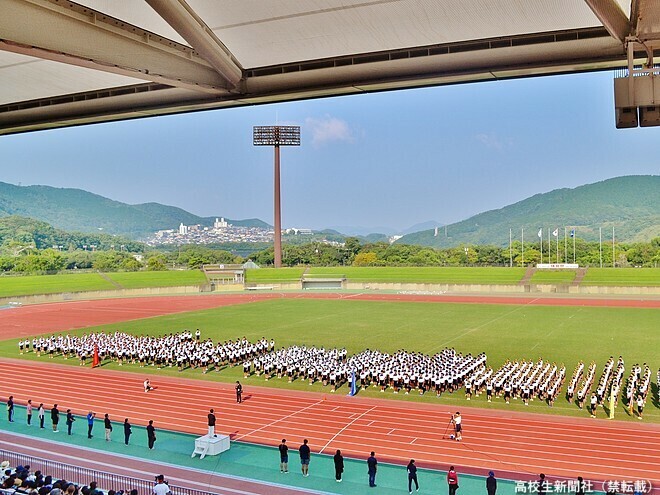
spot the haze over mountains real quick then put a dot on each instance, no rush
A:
(629, 204)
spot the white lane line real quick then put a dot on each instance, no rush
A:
(279, 420)
(345, 427)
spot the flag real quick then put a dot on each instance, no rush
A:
(96, 360)
(555, 232)
(572, 232)
(540, 233)
(353, 385)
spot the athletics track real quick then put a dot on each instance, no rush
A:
(517, 446)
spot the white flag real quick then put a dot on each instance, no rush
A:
(556, 232)
(541, 233)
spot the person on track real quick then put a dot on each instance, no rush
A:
(284, 457)
(69, 421)
(127, 431)
(452, 480)
(147, 386)
(151, 434)
(458, 428)
(239, 392)
(55, 417)
(305, 454)
(372, 468)
(338, 460)
(491, 483)
(211, 423)
(10, 408)
(41, 414)
(90, 423)
(108, 427)
(412, 476)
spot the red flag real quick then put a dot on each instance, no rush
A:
(96, 360)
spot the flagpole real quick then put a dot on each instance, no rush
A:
(613, 258)
(510, 249)
(574, 236)
(557, 241)
(522, 245)
(600, 245)
(549, 247)
(541, 240)
(565, 246)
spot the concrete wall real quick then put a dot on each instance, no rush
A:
(398, 287)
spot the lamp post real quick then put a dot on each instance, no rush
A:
(276, 136)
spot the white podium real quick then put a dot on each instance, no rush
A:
(213, 445)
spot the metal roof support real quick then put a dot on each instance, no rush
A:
(73, 34)
(183, 19)
(613, 18)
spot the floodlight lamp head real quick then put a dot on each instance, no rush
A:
(276, 135)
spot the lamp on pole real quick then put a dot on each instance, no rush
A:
(276, 136)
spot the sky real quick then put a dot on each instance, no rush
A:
(376, 161)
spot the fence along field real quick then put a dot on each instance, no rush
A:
(554, 333)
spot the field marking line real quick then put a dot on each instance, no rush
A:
(280, 419)
(345, 427)
(370, 423)
(482, 325)
(391, 431)
(413, 440)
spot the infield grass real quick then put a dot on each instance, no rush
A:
(554, 333)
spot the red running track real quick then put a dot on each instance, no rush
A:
(521, 445)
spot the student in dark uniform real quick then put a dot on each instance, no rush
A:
(339, 465)
(239, 392)
(284, 456)
(305, 454)
(55, 417)
(211, 423)
(10, 408)
(372, 467)
(491, 483)
(412, 476)
(127, 431)
(151, 434)
(69, 421)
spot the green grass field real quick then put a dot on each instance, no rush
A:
(430, 275)
(52, 284)
(553, 276)
(83, 282)
(138, 280)
(560, 334)
(639, 277)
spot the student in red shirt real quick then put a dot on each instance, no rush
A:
(452, 480)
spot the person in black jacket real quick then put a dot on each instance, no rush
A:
(151, 434)
(55, 417)
(412, 475)
(108, 427)
(339, 466)
(372, 467)
(127, 431)
(69, 421)
(491, 483)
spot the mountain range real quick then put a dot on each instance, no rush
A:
(630, 205)
(81, 211)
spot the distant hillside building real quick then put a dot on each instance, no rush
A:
(296, 231)
(183, 229)
(220, 224)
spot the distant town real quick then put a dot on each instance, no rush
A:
(221, 232)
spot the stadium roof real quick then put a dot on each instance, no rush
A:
(68, 63)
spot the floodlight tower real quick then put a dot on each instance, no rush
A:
(277, 135)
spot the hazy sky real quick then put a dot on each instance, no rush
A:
(389, 159)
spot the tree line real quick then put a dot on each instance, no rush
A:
(19, 258)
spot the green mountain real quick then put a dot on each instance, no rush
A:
(630, 205)
(81, 211)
